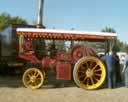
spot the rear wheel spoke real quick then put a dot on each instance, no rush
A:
(85, 78)
(87, 65)
(82, 75)
(96, 79)
(97, 70)
(91, 64)
(87, 81)
(92, 81)
(81, 71)
(97, 74)
(94, 67)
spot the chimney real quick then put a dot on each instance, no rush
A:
(40, 14)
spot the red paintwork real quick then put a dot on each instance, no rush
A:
(27, 45)
(47, 63)
(64, 56)
(28, 52)
(79, 52)
(63, 70)
(91, 51)
(61, 62)
(29, 57)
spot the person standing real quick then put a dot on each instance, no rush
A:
(111, 75)
(116, 65)
(125, 70)
(111, 62)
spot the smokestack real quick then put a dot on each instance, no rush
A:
(40, 14)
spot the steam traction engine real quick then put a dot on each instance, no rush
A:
(88, 70)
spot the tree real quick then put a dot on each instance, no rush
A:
(119, 45)
(116, 44)
(6, 20)
(108, 29)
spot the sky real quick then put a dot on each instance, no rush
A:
(85, 15)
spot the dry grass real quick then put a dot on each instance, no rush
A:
(12, 90)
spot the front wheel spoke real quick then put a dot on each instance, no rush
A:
(29, 75)
(34, 83)
(29, 82)
(38, 78)
(35, 73)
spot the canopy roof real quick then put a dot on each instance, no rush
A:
(65, 34)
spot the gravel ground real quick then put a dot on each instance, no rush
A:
(12, 90)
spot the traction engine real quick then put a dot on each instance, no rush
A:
(80, 62)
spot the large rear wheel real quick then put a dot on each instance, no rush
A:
(33, 78)
(89, 73)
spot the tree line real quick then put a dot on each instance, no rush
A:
(7, 20)
(119, 45)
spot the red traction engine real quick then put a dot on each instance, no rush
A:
(87, 69)
(63, 61)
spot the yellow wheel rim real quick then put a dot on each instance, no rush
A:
(33, 78)
(89, 73)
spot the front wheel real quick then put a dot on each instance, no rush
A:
(33, 78)
(89, 73)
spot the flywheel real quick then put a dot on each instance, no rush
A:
(78, 52)
(89, 73)
(33, 78)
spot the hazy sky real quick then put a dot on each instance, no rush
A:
(88, 15)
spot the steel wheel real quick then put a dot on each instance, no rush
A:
(33, 78)
(89, 73)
